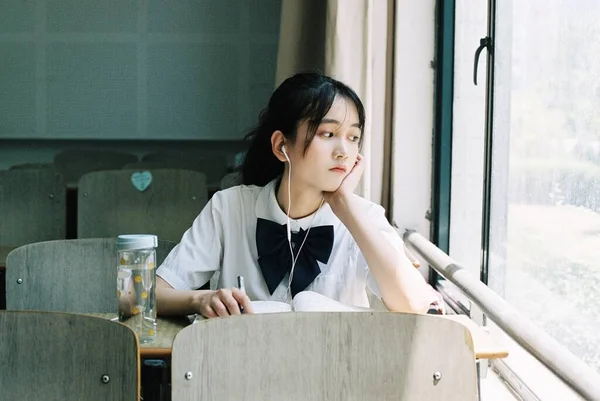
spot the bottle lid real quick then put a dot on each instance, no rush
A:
(132, 242)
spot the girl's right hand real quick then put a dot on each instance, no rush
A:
(223, 302)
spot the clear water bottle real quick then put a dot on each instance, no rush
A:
(136, 283)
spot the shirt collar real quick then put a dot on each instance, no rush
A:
(268, 208)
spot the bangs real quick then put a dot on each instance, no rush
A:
(320, 103)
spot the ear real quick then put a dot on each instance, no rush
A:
(277, 141)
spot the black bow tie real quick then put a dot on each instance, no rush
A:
(275, 259)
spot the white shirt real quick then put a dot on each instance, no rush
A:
(223, 238)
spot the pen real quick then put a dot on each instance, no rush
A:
(241, 287)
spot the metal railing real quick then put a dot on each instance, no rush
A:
(570, 369)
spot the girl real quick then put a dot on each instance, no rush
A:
(297, 199)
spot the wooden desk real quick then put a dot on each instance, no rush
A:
(4, 251)
(165, 334)
(484, 345)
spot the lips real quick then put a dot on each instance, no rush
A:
(339, 169)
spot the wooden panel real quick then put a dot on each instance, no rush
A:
(68, 275)
(32, 206)
(325, 356)
(59, 356)
(109, 205)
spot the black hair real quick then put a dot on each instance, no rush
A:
(304, 96)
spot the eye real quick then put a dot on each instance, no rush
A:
(327, 134)
(355, 138)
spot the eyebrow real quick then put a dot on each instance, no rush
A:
(332, 121)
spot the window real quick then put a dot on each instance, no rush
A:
(468, 132)
(545, 208)
(544, 241)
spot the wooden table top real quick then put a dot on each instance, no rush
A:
(484, 345)
(166, 330)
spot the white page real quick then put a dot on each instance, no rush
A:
(308, 301)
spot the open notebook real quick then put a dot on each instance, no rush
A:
(306, 301)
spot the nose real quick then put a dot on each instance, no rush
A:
(341, 151)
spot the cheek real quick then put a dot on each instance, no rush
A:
(318, 151)
(353, 154)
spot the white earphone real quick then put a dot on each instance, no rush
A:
(289, 229)
(285, 154)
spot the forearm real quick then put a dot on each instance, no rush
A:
(402, 287)
(170, 301)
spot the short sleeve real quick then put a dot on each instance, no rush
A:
(198, 256)
(377, 216)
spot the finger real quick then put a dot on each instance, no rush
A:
(208, 312)
(219, 307)
(360, 161)
(232, 305)
(242, 299)
(228, 301)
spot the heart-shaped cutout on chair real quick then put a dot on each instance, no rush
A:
(141, 181)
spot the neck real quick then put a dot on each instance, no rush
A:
(305, 201)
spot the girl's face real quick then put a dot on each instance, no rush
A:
(333, 151)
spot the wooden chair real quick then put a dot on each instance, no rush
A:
(68, 275)
(109, 205)
(76, 162)
(150, 165)
(32, 207)
(324, 356)
(32, 166)
(67, 357)
(213, 165)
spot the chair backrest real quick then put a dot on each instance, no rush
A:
(109, 204)
(68, 357)
(151, 165)
(67, 276)
(213, 165)
(324, 356)
(76, 162)
(32, 166)
(32, 206)
(231, 180)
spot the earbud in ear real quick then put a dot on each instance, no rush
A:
(285, 154)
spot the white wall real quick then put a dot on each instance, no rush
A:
(413, 114)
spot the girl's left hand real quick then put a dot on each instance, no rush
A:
(349, 183)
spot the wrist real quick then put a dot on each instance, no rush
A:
(196, 299)
(342, 205)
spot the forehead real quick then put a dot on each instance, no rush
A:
(343, 110)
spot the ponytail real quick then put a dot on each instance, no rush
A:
(260, 164)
